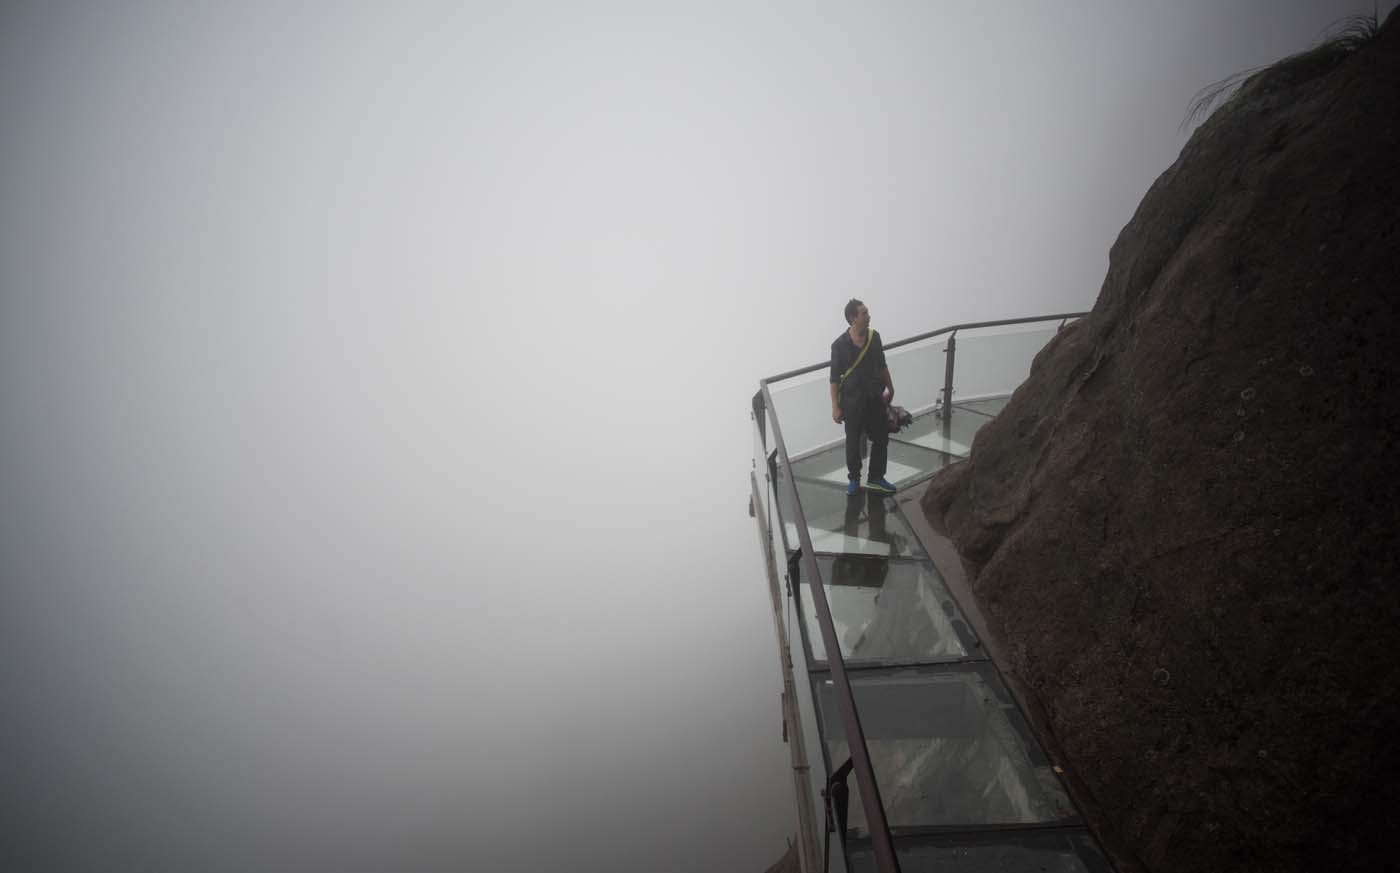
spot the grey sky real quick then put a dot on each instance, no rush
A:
(374, 384)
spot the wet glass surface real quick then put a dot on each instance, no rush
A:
(948, 747)
(955, 439)
(906, 463)
(886, 610)
(865, 524)
(987, 406)
(1052, 851)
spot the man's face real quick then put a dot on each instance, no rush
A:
(862, 318)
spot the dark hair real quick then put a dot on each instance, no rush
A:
(853, 309)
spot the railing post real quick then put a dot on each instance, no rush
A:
(760, 419)
(951, 352)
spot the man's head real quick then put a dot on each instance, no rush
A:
(857, 315)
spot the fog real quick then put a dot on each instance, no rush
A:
(374, 390)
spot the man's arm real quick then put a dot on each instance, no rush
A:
(835, 405)
(889, 383)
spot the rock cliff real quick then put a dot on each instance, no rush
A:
(1183, 526)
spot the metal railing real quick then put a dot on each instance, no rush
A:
(950, 329)
(886, 860)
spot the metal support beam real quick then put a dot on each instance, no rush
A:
(951, 353)
(885, 859)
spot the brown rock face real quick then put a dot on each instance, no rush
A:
(1184, 524)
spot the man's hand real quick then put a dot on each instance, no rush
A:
(836, 414)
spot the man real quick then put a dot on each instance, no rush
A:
(858, 375)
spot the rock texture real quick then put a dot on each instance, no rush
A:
(1183, 526)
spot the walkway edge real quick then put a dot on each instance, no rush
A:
(809, 859)
(950, 566)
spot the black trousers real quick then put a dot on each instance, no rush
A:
(866, 419)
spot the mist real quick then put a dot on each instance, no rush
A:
(374, 390)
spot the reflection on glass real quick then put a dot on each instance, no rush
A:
(887, 610)
(865, 523)
(986, 406)
(1055, 851)
(906, 463)
(953, 437)
(948, 748)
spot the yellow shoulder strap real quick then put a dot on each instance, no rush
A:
(860, 357)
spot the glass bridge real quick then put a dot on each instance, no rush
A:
(908, 750)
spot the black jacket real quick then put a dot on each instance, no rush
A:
(865, 382)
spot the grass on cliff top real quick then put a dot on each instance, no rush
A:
(1342, 38)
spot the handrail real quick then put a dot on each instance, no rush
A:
(952, 328)
(885, 859)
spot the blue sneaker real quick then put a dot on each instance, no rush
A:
(880, 485)
(852, 487)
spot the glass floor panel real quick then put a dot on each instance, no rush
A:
(927, 431)
(906, 463)
(949, 748)
(866, 524)
(987, 406)
(886, 610)
(1045, 851)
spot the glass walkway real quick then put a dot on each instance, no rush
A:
(908, 751)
